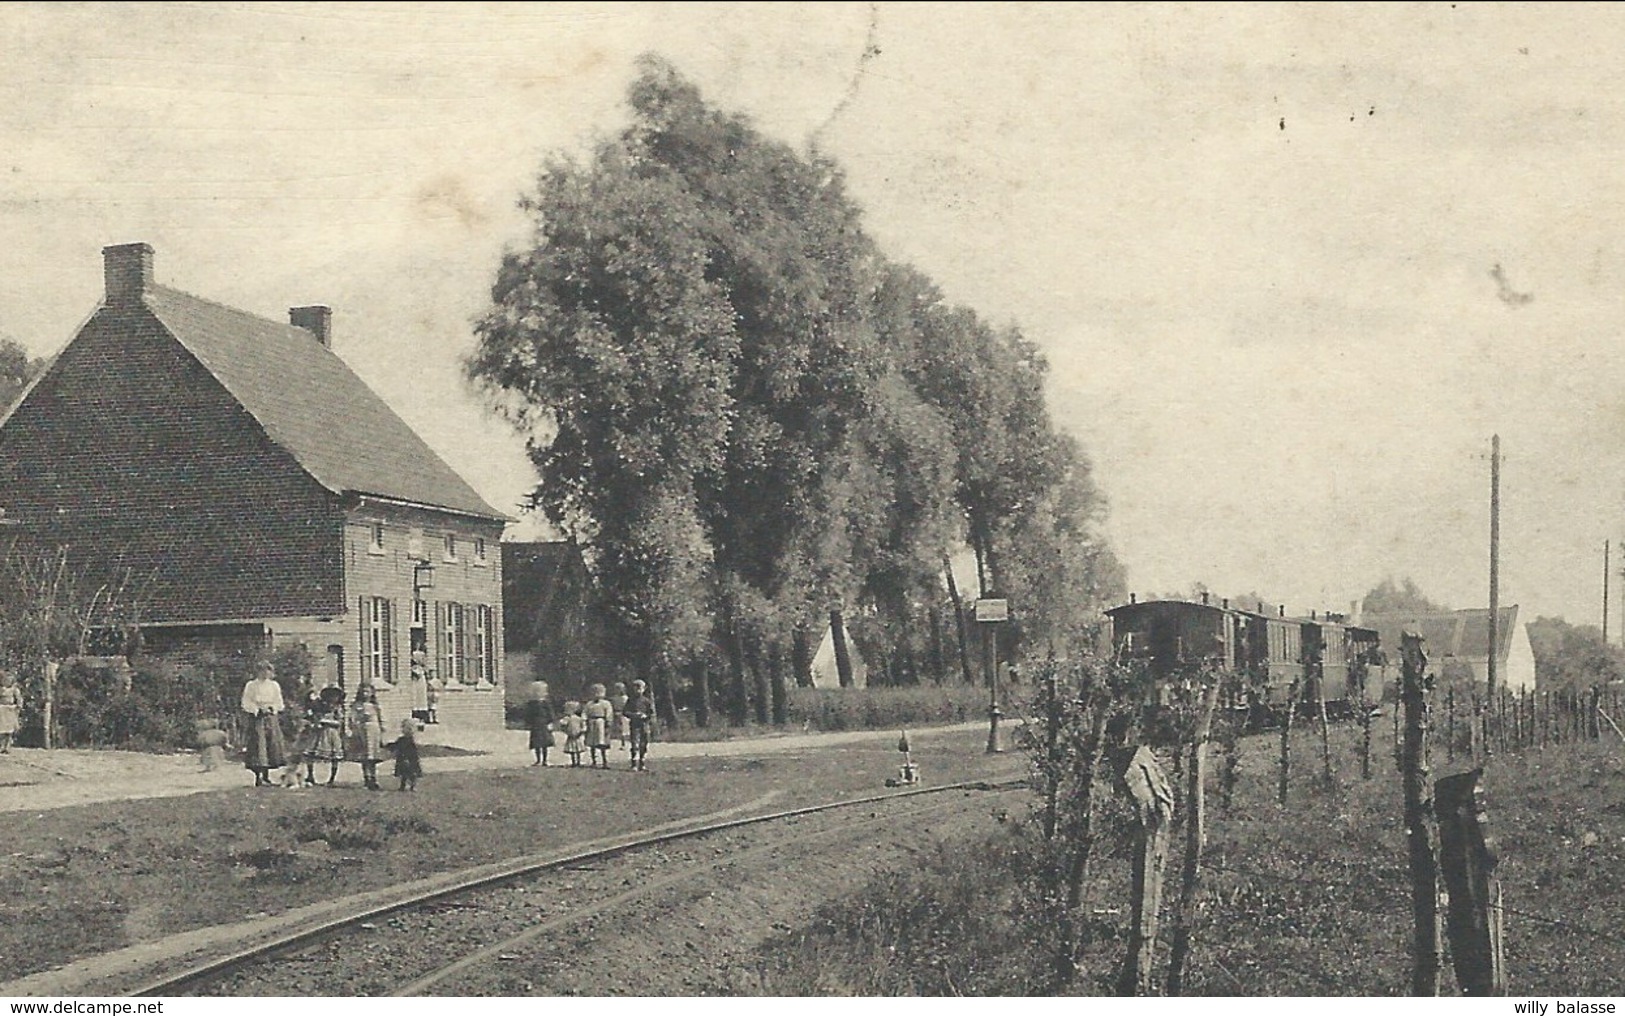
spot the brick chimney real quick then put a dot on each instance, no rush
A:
(127, 270)
(317, 320)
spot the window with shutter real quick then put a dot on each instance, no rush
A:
(442, 654)
(364, 654)
(479, 656)
(497, 676)
(391, 667)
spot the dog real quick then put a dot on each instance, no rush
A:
(292, 778)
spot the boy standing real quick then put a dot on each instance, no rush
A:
(640, 716)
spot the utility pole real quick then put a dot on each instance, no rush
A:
(1495, 560)
(1606, 547)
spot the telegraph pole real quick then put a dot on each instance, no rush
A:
(1495, 558)
(1606, 547)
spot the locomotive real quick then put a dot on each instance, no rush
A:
(1324, 658)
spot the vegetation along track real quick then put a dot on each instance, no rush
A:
(428, 941)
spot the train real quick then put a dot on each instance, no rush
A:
(1324, 657)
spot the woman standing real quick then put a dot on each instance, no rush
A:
(367, 734)
(262, 701)
(11, 707)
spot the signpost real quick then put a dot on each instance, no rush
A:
(990, 613)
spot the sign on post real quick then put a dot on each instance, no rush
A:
(988, 610)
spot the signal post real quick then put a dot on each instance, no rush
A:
(990, 613)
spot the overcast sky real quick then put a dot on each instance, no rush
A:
(1292, 265)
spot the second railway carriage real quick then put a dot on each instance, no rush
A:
(1281, 659)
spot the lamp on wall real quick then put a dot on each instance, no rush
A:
(423, 575)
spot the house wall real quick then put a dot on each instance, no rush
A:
(470, 693)
(1520, 661)
(129, 452)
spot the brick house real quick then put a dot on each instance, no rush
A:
(259, 494)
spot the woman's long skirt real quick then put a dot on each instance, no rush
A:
(266, 749)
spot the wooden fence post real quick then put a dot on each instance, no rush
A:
(1467, 857)
(1326, 737)
(1424, 869)
(1153, 806)
(1365, 736)
(1195, 838)
(1286, 739)
(1449, 724)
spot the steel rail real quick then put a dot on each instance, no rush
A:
(174, 984)
(692, 870)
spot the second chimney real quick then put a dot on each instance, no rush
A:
(127, 272)
(317, 320)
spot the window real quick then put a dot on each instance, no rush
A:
(455, 668)
(375, 545)
(378, 647)
(484, 669)
(479, 550)
(451, 547)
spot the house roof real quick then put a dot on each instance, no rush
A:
(1464, 634)
(313, 405)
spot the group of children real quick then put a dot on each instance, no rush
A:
(591, 727)
(322, 738)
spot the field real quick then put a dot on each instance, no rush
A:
(1312, 899)
(88, 880)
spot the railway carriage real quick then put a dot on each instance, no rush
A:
(1282, 659)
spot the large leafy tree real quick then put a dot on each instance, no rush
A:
(751, 421)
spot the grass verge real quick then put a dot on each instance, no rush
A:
(1312, 899)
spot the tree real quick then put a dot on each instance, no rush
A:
(17, 371)
(1570, 657)
(1389, 597)
(746, 415)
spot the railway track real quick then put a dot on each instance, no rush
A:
(438, 939)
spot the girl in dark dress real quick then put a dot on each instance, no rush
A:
(539, 721)
(408, 765)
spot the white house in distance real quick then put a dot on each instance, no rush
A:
(1464, 636)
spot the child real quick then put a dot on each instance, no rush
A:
(408, 765)
(211, 743)
(11, 705)
(640, 717)
(617, 698)
(328, 745)
(575, 733)
(600, 715)
(367, 734)
(539, 721)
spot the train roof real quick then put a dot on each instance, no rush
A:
(1142, 605)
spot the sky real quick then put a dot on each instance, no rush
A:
(1291, 265)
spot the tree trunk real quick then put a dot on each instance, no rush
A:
(801, 656)
(938, 657)
(959, 622)
(843, 656)
(739, 693)
(662, 679)
(781, 695)
(702, 693)
(762, 698)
